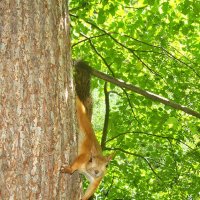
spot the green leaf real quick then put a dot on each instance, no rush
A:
(153, 45)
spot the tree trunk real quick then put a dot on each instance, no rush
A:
(37, 101)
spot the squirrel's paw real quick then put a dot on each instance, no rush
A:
(66, 169)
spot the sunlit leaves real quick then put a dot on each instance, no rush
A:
(154, 45)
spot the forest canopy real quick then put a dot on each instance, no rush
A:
(153, 45)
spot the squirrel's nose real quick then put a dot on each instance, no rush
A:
(96, 171)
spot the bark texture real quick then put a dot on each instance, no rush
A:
(36, 103)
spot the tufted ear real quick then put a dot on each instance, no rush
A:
(110, 157)
(91, 157)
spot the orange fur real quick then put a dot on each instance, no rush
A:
(90, 160)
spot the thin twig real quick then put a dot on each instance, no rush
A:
(140, 132)
(106, 119)
(137, 155)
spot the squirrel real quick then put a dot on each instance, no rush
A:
(90, 160)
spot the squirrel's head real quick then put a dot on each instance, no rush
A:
(96, 166)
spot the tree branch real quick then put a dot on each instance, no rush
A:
(145, 93)
(137, 155)
(153, 135)
(121, 44)
(164, 50)
(86, 38)
(94, 48)
(106, 119)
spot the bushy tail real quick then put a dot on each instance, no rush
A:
(82, 84)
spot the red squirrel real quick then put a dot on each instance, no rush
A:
(90, 160)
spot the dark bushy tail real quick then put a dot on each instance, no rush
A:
(82, 84)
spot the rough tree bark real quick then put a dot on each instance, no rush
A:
(36, 103)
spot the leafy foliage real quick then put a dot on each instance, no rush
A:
(153, 45)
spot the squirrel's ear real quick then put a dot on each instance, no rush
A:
(90, 159)
(110, 157)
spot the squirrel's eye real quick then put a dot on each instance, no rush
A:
(90, 159)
